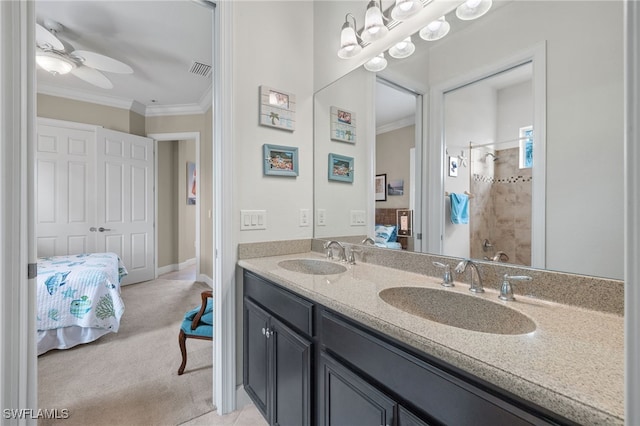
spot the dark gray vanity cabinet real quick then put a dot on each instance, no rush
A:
(277, 358)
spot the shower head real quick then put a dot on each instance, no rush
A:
(491, 154)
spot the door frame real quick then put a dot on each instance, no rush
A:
(179, 136)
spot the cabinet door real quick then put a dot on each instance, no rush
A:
(256, 358)
(292, 376)
(349, 400)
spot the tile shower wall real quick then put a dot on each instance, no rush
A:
(501, 207)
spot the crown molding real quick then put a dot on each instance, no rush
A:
(201, 107)
(398, 124)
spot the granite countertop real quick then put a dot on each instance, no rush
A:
(572, 364)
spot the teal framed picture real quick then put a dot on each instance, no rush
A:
(280, 160)
(340, 168)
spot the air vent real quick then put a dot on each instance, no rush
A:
(199, 68)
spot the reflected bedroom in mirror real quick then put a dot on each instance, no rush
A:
(518, 115)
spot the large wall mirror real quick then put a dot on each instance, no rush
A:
(527, 74)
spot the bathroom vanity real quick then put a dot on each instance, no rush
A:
(328, 346)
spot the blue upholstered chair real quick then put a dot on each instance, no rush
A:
(197, 324)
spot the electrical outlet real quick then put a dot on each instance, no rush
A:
(321, 217)
(253, 219)
(304, 217)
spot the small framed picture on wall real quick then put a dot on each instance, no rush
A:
(343, 125)
(280, 160)
(381, 187)
(340, 168)
(277, 109)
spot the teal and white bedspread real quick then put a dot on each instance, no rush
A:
(78, 291)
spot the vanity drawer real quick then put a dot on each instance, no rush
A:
(441, 396)
(290, 308)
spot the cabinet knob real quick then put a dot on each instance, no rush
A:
(267, 332)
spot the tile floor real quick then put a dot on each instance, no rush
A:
(247, 416)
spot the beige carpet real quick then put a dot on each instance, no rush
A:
(130, 378)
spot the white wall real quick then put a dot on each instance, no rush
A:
(515, 110)
(392, 159)
(272, 43)
(354, 93)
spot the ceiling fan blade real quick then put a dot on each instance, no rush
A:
(44, 37)
(92, 76)
(101, 62)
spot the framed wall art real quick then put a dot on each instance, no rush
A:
(280, 160)
(381, 187)
(340, 168)
(277, 109)
(191, 183)
(343, 125)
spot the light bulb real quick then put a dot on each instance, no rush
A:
(377, 63)
(473, 9)
(402, 49)
(54, 63)
(374, 28)
(349, 46)
(405, 9)
(435, 30)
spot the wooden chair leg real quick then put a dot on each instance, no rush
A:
(182, 338)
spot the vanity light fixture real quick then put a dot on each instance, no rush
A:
(473, 9)
(405, 9)
(435, 30)
(377, 63)
(349, 46)
(402, 49)
(374, 28)
(54, 63)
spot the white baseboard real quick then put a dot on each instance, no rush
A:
(206, 279)
(176, 267)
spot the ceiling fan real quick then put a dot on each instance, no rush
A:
(52, 56)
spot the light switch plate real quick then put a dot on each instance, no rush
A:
(304, 217)
(253, 220)
(357, 218)
(321, 217)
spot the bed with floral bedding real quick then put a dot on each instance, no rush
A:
(78, 299)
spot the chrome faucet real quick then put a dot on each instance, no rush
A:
(506, 291)
(447, 280)
(500, 256)
(329, 247)
(476, 279)
(368, 240)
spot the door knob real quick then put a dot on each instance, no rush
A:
(93, 229)
(101, 229)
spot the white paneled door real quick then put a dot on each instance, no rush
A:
(65, 186)
(94, 193)
(125, 201)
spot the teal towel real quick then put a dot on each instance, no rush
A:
(459, 208)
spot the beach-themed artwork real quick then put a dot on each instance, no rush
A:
(343, 125)
(453, 166)
(277, 109)
(340, 168)
(280, 160)
(191, 183)
(396, 187)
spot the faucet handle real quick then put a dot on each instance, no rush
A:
(351, 255)
(447, 280)
(506, 290)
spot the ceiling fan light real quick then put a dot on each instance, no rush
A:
(473, 9)
(403, 49)
(374, 28)
(53, 63)
(404, 9)
(435, 30)
(377, 63)
(349, 46)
